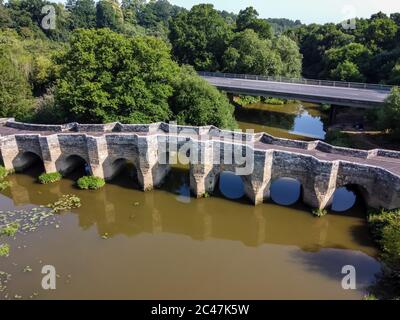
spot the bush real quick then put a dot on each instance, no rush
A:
(47, 178)
(389, 115)
(274, 101)
(91, 183)
(385, 228)
(319, 212)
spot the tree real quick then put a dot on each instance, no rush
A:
(195, 102)
(109, 15)
(381, 34)
(248, 53)
(248, 19)
(200, 37)
(290, 56)
(15, 91)
(83, 13)
(108, 77)
(389, 115)
(355, 53)
(347, 71)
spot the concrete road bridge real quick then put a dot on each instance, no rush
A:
(319, 167)
(358, 95)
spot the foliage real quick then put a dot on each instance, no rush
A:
(91, 183)
(274, 101)
(107, 77)
(4, 250)
(248, 19)
(338, 138)
(319, 212)
(195, 102)
(47, 178)
(109, 15)
(4, 184)
(389, 115)
(65, 203)
(199, 37)
(10, 230)
(385, 227)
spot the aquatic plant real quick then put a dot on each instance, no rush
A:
(65, 203)
(3, 174)
(319, 212)
(47, 178)
(91, 183)
(4, 250)
(10, 230)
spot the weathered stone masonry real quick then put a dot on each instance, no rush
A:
(319, 167)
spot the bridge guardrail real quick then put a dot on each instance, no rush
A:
(326, 83)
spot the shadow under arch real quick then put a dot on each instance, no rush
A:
(73, 166)
(230, 186)
(347, 198)
(26, 160)
(122, 172)
(286, 191)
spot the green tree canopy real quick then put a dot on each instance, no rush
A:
(248, 53)
(248, 19)
(199, 37)
(389, 116)
(108, 77)
(196, 102)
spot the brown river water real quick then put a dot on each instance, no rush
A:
(126, 244)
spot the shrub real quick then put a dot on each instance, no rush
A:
(385, 228)
(274, 101)
(319, 212)
(47, 178)
(91, 183)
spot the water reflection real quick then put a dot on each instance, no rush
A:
(115, 210)
(296, 121)
(343, 199)
(231, 185)
(285, 191)
(161, 243)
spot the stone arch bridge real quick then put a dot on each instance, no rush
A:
(320, 168)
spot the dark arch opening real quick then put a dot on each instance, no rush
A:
(29, 162)
(177, 181)
(285, 191)
(75, 167)
(348, 197)
(124, 174)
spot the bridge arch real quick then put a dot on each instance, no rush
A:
(70, 163)
(347, 196)
(26, 159)
(114, 167)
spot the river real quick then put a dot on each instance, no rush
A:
(164, 244)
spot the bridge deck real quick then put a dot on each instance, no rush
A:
(390, 164)
(315, 93)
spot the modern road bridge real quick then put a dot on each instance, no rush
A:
(359, 95)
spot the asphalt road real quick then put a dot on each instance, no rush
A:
(314, 93)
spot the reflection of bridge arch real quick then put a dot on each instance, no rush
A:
(285, 191)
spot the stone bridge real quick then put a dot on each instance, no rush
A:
(319, 167)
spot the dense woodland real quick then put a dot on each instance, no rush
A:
(135, 61)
